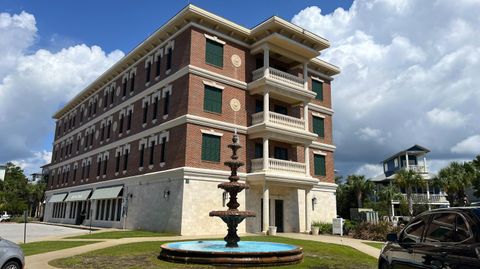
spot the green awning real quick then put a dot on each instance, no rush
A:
(57, 198)
(106, 193)
(78, 196)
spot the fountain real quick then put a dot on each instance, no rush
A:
(232, 252)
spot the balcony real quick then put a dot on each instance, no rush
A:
(279, 166)
(282, 85)
(280, 127)
(417, 168)
(280, 119)
(422, 198)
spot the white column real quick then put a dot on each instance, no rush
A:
(265, 154)
(266, 107)
(425, 164)
(308, 211)
(305, 115)
(307, 160)
(428, 197)
(406, 160)
(393, 210)
(305, 76)
(266, 60)
(266, 209)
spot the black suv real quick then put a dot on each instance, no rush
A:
(441, 238)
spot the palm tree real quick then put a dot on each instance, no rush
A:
(360, 186)
(408, 179)
(389, 193)
(454, 179)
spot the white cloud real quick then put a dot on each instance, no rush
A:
(369, 170)
(470, 145)
(409, 68)
(34, 84)
(32, 164)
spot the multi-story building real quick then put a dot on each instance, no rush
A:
(413, 158)
(143, 146)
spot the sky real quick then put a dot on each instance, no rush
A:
(409, 69)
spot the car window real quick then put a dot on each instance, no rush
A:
(413, 232)
(461, 231)
(441, 228)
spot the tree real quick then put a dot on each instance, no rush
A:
(14, 190)
(388, 193)
(408, 179)
(360, 187)
(476, 178)
(454, 179)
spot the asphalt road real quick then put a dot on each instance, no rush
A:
(35, 231)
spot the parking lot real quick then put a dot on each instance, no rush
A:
(35, 231)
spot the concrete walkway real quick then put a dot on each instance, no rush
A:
(40, 261)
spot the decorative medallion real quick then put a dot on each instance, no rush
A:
(235, 104)
(236, 61)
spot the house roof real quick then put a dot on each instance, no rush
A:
(414, 149)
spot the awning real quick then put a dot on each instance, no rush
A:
(78, 196)
(106, 193)
(57, 198)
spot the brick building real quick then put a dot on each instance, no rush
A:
(143, 146)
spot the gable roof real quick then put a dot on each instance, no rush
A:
(414, 149)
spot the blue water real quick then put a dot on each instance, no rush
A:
(219, 246)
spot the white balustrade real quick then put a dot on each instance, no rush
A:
(423, 198)
(418, 168)
(280, 76)
(280, 119)
(281, 166)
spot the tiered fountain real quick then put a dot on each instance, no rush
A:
(234, 252)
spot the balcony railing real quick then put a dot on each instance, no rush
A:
(417, 168)
(280, 166)
(278, 75)
(279, 119)
(419, 198)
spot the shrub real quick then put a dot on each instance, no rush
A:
(349, 226)
(374, 232)
(324, 228)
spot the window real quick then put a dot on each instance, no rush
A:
(142, 153)
(280, 109)
(157, 68)
(117, 162)
(109, 128)
(83, 171)
(99, 166)
(109, 209)
(212, 101)
(92, 132)
(102, 133)
(129, 120)
(319, 165)
(105, 98)
(319, 126)
(152, 153)
(280, 153)
(74, 174)
(124, 88)
(105, 162)
(214, 53)
(162, 149)
(317, 87)
(413, 233)
(145, 112)
(120, 124)
(155, 108)
(132, 83)
(147, 72)
(461, 230)
(169, 58)
(94, 106)
(441, 228)
(88, 169)
(210, 148)
(166, 104)
(81, 114)
(73, 120)
(112, 95)
(125, 160)
(258, 150)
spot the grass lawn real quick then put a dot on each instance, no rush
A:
(144, 255)
(119, 234)
(375, 245)
(48, 246)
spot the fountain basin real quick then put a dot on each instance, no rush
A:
(248, 253)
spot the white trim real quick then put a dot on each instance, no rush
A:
(323, 146)
(318, 152)
(318, 115)
(213, 84)
(317, 79)
(215, 39)
(211, 132)
(322, 109)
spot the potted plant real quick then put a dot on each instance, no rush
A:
(315, 229)
(272, 230)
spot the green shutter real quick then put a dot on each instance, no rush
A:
(319, 126)
(210, 148)
(212, 100)
(317, 87)
(319, 163)
(214, 53)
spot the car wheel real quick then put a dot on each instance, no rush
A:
(384, 265)
(11, 265)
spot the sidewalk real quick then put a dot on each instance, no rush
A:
(40, 261)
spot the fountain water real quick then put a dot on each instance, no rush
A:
(234, 252)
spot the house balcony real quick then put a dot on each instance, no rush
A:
(281, 85)
(279, 166)
(422, 169)
(280, 171)
(280, 127)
